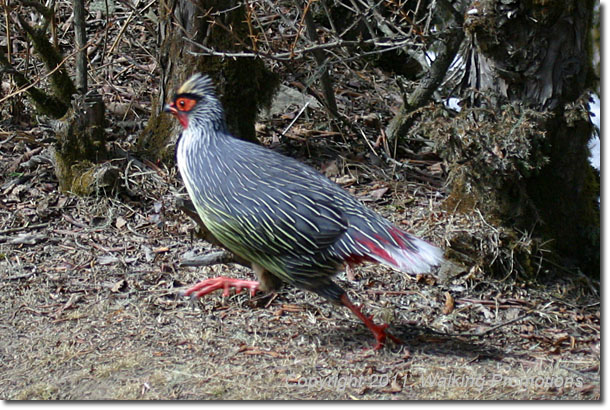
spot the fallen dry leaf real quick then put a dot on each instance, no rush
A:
(120, 222)
(345, 180)
(256, 351)
(118, 286)
(330, 169)
(393, 388)
(449, 304)
(377, 194)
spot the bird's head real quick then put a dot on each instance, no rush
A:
(195, 102)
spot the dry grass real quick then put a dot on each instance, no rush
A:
(92, 311)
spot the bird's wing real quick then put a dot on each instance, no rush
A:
(304, 225)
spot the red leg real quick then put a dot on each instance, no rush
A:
(379, 331)
(210, 285)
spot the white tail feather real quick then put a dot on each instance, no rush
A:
(413, 262)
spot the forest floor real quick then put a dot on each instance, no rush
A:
(91, 309)
(90, 287)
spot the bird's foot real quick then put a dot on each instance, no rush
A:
(210, 285)
(380, 334)
(379, 331)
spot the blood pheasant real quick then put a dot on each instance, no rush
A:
(293, 224)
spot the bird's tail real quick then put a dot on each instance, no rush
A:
(399, 249)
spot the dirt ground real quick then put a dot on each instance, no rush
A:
(91, 309)
(90, 287)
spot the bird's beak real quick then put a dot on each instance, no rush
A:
(171, 108)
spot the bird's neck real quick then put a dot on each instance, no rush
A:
(200, 139)
(212, 120)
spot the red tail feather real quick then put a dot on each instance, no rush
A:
(402, 251)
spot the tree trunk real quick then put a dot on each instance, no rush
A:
(80, 149)
(243, 85)
(80, 37)
(529, 62)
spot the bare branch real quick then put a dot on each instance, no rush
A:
(321, 60)
(303, 52)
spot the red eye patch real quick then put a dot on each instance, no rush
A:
(185, 103)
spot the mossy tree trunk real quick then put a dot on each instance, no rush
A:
(243, 84)
(80, 158)
(80, 148)
(529, 63)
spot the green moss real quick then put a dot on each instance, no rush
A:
(82, 177)
(462, 198)
(45, 104)
(153, 140)
(73, 176)
(80, 146)
(518, 169)
(63, 87)
(490, 155)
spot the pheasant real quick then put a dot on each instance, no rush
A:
(292, 223)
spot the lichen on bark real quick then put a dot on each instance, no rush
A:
(80, 150)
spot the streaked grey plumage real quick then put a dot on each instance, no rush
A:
(276, 212)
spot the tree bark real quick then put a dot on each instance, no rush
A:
(534, 55)
(80, 36)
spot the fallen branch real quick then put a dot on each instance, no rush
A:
(24, 228)
(209, 259)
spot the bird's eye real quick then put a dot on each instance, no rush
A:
(185, 104)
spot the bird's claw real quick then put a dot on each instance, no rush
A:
(380, 333)
(226, 284)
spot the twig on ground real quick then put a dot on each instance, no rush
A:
(491, 329)
(209, 259)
